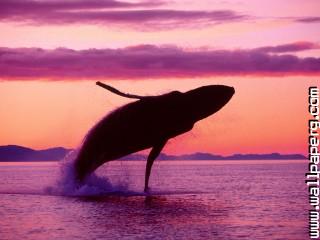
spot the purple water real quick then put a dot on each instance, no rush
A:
(188, 200)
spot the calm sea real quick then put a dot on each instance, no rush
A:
(188, 200)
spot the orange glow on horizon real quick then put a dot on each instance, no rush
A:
(265, 115)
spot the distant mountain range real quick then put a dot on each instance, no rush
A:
(14, 153)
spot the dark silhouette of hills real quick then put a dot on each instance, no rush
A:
(14, 153)
(209, 156)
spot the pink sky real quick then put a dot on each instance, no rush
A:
(269, 51)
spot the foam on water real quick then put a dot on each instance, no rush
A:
(67, 184)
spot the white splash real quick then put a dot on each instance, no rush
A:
(67, 185)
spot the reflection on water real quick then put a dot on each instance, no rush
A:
(189, 201)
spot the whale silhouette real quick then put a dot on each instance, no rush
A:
(146, 123)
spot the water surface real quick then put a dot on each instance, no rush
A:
(188, 200)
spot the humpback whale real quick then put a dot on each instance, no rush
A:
(148, 122)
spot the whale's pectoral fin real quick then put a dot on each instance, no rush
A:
(116, 91)
(155, 151)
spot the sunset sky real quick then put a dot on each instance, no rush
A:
(52, 52)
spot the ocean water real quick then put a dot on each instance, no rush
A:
(188, 200)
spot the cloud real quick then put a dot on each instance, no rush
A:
(147, 61)
(291, 47)
(142, 15)
(13, 7)
(109, 13)
(308, 20)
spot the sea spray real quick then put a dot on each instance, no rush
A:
(67, 185)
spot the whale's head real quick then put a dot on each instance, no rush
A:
(205, 101)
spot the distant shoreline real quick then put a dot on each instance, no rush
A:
(15, 153)
(173, 160)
